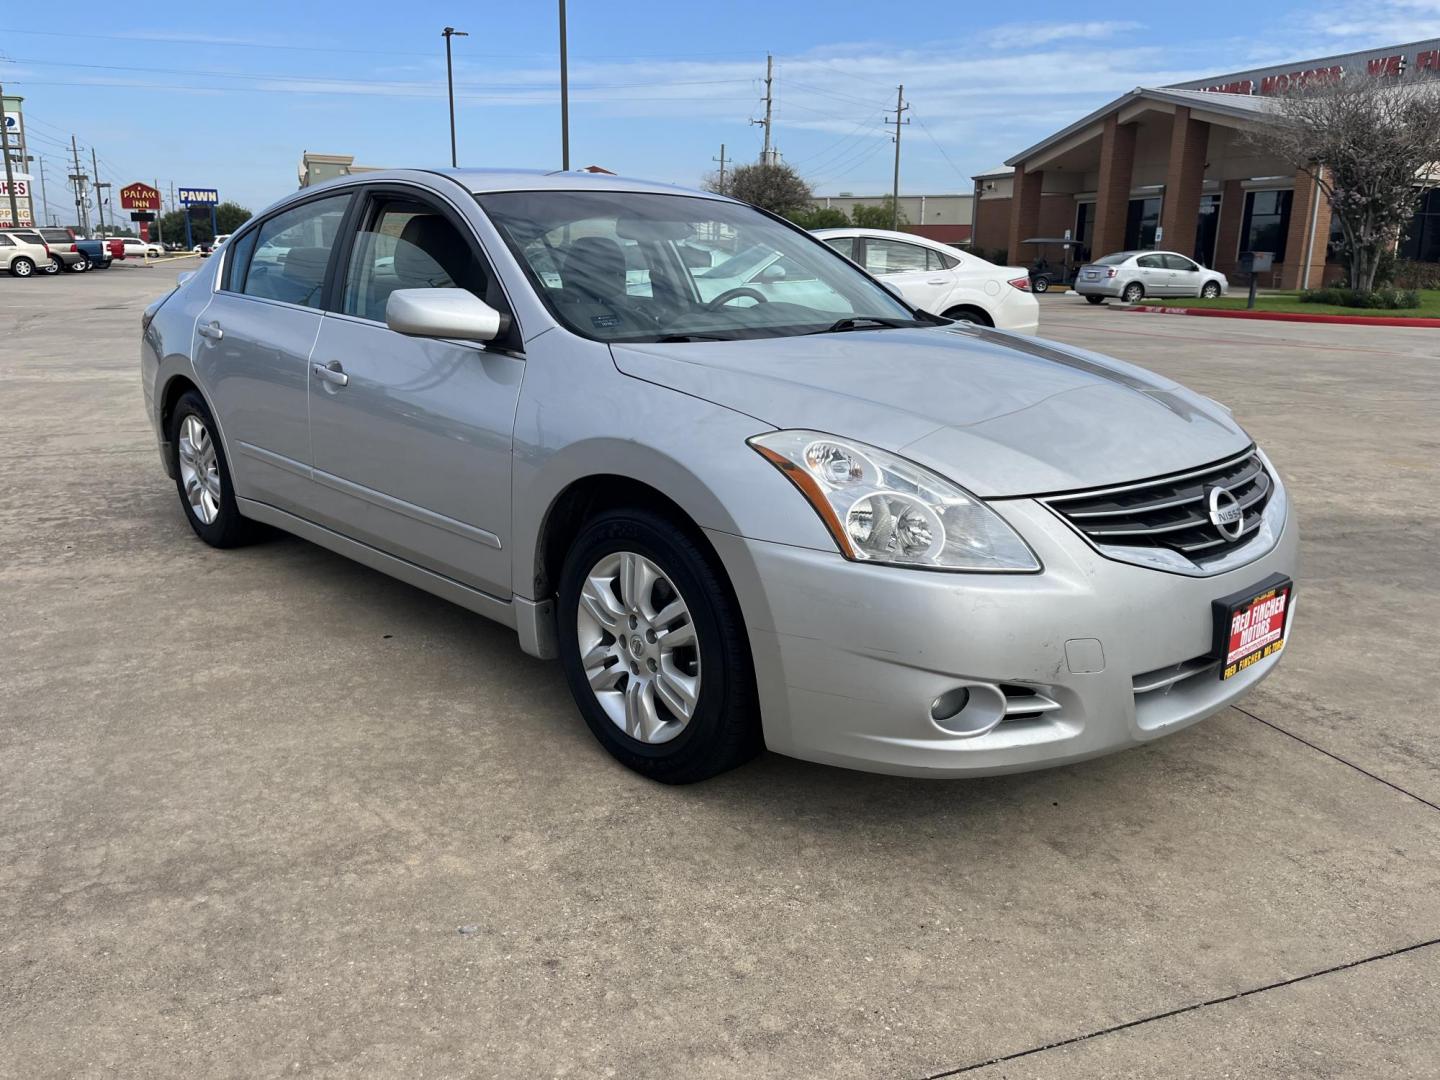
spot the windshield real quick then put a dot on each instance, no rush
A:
(1116, 259)
(621, 266)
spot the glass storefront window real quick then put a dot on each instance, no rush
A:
(1422, 236)
(1141, 221)
(1267, 222)
(1207, 227)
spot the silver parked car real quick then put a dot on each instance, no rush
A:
(845, 530)
(1133, 275)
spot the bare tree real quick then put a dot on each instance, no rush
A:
(1371, 147)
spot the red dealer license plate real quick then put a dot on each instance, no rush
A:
(1250, 626)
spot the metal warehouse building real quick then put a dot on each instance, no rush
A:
(1166, 167)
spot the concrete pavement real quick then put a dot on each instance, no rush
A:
(266, 812)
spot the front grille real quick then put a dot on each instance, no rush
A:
(1172, 511)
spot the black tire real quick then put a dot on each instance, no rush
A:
(969, 315)
(54, 266)
(724, 729)
(228, 529)
(1133, 293)
(20, 266)
(81, 266)
(1040, 284)
(1095, 299)
(1210, 290)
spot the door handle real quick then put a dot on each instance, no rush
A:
(937, 281)
(211, 331)
(331, 373)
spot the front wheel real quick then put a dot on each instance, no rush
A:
(655, 651)
(1210, 290)
(202, 476)
(1095, 299)
(1133, 292)
(22, 267)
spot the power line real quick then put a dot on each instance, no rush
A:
(932, 138)
(348, 93)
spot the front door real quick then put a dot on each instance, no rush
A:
(252, 348)
(411, 437)
(1184, 275)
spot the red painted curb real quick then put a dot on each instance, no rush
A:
(1423, 322)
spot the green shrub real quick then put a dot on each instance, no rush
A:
(1385, 299)
(1416, 275)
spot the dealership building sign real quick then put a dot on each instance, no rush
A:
(1418, 60)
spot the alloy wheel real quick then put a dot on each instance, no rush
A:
(638, 647)
(199, 469)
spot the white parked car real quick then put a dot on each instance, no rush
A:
(940, 279)
(1132, 275)
(143, 248)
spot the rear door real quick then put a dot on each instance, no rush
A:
(252, 349)
(907, 266)
(412, 436)
(1154, 275)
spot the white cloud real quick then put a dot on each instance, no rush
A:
(1030, 35)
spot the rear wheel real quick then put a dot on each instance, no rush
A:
(1095, 299)
(1040, 284)
(1133, 292)
(202, 476)
(22, 267)
(655, 651)
(1210, 290)
(54, 266)
(969, 315)
(81, 266)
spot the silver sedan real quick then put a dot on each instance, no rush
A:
(1133, 275)
(819, 520)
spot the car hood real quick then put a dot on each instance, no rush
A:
(1001, 414)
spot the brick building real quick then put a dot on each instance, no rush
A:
(1167, 167)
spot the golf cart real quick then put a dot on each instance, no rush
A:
(1043, 273)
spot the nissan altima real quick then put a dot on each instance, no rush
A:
(811, 518)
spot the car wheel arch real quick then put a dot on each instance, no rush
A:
(956, 310)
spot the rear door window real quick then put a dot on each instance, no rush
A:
(292, 253)
(845, 245)
(1150, 262)
(893, 256)
(1178, 262)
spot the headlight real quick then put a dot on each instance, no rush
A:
(881, 508)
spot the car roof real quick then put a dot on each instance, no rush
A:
(886, 234)
(481, 181)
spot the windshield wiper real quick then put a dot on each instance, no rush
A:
(670, 339)
(864, 322)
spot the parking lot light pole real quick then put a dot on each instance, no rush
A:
(564, 95)
(447, 34)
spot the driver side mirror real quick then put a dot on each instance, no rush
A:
(444, 313)
(773, 272)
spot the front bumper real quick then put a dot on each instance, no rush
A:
(849, 657)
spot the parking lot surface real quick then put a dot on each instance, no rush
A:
(267, 812)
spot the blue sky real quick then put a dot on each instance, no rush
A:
(229, 95)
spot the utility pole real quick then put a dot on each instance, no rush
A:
(78, 179)
(767, 154)
(159, 213)
(99, 189)
(721, 159)
(45, 194)
(564, 95)
(447, 34)
(9, 173)
(900, 109)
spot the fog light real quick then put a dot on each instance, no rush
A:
(967, 711)
(949, 703)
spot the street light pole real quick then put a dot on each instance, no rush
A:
(564, 95)
(447, 34)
